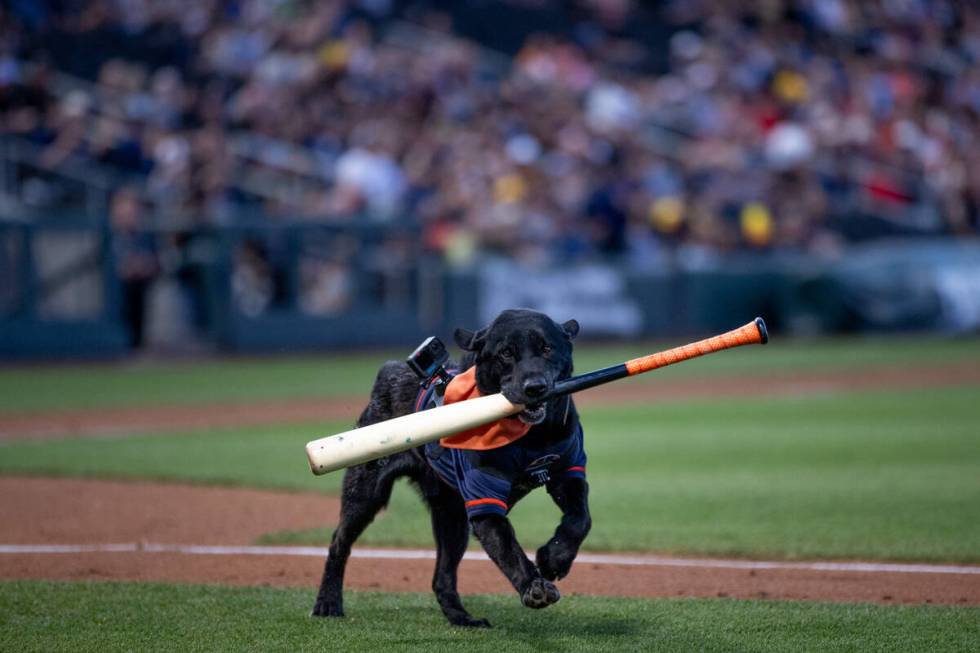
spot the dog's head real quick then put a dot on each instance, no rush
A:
(521, 354)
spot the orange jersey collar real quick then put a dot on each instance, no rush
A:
(489, 436)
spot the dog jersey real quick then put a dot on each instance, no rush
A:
(491, 481)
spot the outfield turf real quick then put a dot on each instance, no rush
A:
(890, 475)
(37, 616)
(60, 387)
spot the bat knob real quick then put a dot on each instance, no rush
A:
(760, 324)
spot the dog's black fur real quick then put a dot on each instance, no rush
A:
(522, 353)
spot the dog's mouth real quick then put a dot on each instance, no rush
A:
(533, 414)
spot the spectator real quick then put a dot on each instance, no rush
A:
(776, 125)
(135, 256)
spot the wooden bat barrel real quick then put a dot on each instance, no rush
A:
(401, 433)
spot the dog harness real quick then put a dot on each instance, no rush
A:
(491, 480)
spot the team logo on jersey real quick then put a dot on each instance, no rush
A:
(538, 468)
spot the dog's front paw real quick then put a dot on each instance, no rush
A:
(540, 594)
(327, 609)
(553, 561)
(466, 621)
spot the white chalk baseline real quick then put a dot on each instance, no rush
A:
(426, 554)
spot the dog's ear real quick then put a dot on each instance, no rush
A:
(468, 340)
(570, 328)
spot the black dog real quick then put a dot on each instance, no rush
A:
(522, 353)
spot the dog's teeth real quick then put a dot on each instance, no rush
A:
(533, 415)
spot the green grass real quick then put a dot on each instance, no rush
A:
(248, 457)
(76, 617)
(892, 475)
(126, 384)
(61, 387)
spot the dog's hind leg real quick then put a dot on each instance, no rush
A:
(452, 531)
(571, 495)
(366, 491)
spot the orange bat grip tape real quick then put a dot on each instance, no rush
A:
(744, 335)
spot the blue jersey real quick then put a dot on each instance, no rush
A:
(491, 481)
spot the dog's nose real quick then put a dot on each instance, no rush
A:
(535, 388)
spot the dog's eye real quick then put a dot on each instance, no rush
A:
(507, 353)
(546, 350)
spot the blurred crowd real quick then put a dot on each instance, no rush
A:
(782, 124)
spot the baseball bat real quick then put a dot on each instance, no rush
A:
(394, 435)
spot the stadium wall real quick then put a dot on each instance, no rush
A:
(294, 287)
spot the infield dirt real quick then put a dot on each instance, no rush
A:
(37, 511)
